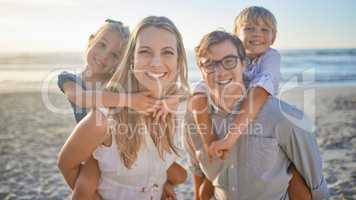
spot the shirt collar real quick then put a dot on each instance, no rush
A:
(257, 60)
(215, 109)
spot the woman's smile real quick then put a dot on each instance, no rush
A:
(155, 75)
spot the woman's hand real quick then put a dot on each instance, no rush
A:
(142, 103)
(168, 192)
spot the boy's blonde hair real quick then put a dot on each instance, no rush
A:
(130, 140)
(255, 13)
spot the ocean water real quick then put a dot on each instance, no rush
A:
(308, 66)
(302, 67)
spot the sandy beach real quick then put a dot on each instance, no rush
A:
(31, 136)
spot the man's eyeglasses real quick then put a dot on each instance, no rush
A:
(229, 62)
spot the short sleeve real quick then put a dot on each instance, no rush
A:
(67, 76)
(264, 81)
(269, 73)
(79, 113)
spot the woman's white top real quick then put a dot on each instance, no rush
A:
(143, 181)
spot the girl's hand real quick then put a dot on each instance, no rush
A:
(142, 103)
(166, 106)
(168, 192)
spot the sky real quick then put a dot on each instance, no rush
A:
(65, 25)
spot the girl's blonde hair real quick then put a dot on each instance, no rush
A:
(254, 14)
(118, 26)
(129, 135)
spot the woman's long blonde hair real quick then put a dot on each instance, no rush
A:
(128, 123)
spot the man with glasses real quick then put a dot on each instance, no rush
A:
(257, 166)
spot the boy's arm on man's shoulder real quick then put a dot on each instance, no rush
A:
(199, 109)
(198, 158)
(301, 148)
(250, 107)
(191, 144)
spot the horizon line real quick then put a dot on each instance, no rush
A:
(188, 50)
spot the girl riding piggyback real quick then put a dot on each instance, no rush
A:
(86, 91)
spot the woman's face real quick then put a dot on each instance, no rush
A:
(103, 55)
(156, 59)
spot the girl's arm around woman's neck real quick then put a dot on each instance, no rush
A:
(93, 98)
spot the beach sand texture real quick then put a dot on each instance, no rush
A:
(31, 136)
